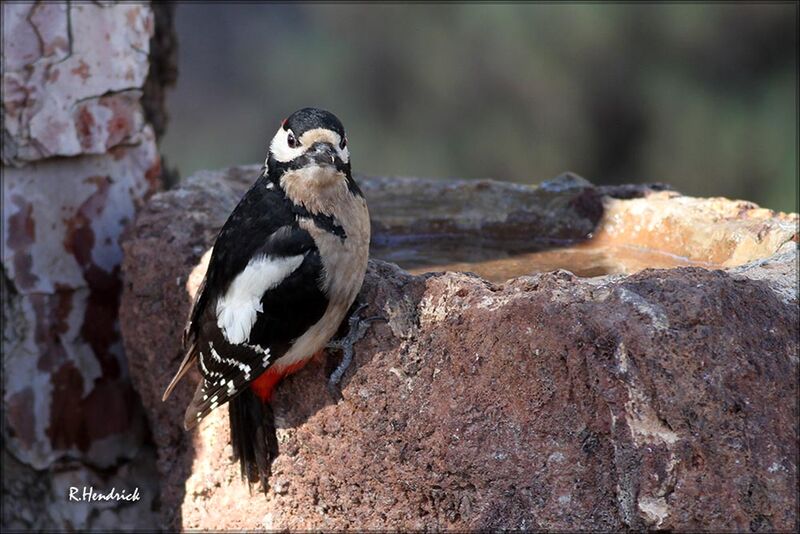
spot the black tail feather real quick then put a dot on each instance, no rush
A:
(253, 437)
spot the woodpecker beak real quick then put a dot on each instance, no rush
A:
(322, 153)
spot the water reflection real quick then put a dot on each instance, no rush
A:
(498, 264)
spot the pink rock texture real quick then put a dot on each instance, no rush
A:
(79, 159)
(660, 400)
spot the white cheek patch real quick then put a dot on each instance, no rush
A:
(238, 309)
(279, 147)
(344, 153)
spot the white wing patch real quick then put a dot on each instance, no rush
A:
(237, 310)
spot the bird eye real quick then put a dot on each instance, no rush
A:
(343, 143)
(291, 141)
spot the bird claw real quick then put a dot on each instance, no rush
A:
(357, 327)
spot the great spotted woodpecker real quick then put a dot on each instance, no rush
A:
(284, 271)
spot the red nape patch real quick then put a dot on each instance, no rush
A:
(264, 385)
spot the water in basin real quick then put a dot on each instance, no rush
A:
(498, 262)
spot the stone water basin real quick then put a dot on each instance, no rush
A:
(500, 231)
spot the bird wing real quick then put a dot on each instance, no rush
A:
(260, 293)
(254, 323)
(258, 215)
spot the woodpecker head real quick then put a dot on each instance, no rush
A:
(309, 159)
(309, 138)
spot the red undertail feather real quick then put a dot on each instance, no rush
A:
(264, 385)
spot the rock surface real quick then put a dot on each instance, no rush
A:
(665, 399)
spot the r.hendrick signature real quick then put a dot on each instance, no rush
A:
(89, 494)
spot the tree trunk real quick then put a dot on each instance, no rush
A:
(82, 109)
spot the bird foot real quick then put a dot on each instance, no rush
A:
(357, 327)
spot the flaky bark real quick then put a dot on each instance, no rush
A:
(81, 108)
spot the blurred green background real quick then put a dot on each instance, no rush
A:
(701, 96)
